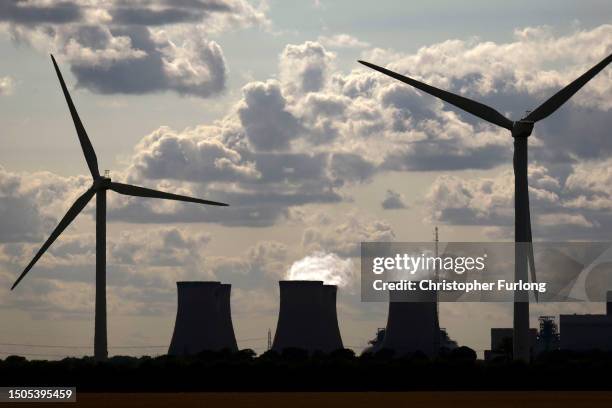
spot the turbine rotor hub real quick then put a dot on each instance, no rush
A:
(522, 128)
(102, 183)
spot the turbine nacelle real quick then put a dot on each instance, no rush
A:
(102, 183)
(522, 128)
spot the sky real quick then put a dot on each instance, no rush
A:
(263, 105)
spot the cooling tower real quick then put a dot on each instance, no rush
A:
(226, 336)
(330, 334)
(307, 317)
(412, 323)
(203, 319)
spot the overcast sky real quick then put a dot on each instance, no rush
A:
(262, 105)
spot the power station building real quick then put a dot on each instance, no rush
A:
(502, 342)
(307, 317)
(587, 332)
(203, 319)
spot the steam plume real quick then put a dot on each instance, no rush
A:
(328, 267)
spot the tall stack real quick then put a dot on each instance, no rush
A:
(307, 317)
(203, 319)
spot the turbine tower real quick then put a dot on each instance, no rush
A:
(98, 188)
(520, 131)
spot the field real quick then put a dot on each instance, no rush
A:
(500, 399)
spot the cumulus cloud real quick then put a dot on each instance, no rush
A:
(31, 203)
(489, 72)
(589, 185)
(417, 132)
(301, 139)
(479, 68)
(197, 155)
(594, 177)
(344, 237)
(576, 206)
(133, 60)
(263, 114)
(165, 247)
(134, 47)
(483, 201)
(218, 162)
(305, 67)
(342, 41)
(259, 267)
(393, 201)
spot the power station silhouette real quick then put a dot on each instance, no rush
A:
(520, 131)
(99, 187)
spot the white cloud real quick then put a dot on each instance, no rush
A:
(329, 268)
(342, 41)
(305, 67)
(7, 85)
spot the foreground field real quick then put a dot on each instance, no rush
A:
(347, 399)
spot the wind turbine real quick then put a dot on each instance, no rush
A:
(520, 131)
(98, 188)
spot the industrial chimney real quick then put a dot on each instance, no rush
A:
(203, 319)
(307, 317)
(412, 323)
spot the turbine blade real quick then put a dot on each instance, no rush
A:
(128, 189)
(530, 253)
(76, 208)
(88, 150)
(554, 102)
(475, 108)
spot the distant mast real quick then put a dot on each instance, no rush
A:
(269, 339)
